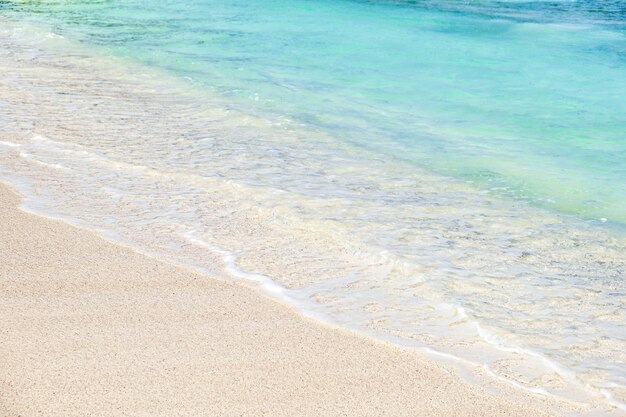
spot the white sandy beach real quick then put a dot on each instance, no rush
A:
(91, 328)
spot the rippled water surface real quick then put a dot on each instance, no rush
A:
(524, 98)
(447, 175)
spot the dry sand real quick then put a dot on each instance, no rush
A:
(92, 328)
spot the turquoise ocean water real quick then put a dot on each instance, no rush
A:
(525, 98)
(458, 178)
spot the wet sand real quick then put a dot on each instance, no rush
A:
(93, 328)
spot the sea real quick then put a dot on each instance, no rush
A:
(449, 176)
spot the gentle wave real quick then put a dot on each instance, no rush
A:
(348, 235)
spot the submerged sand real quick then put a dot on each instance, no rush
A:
(92, 328)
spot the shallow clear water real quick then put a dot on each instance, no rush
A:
(443, 174)
(524, 98)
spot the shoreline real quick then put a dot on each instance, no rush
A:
(44, 126)
(94, 328)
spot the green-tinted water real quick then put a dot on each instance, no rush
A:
(311, 155)
(527, 99)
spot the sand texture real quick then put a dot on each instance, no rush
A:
(92, 328)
